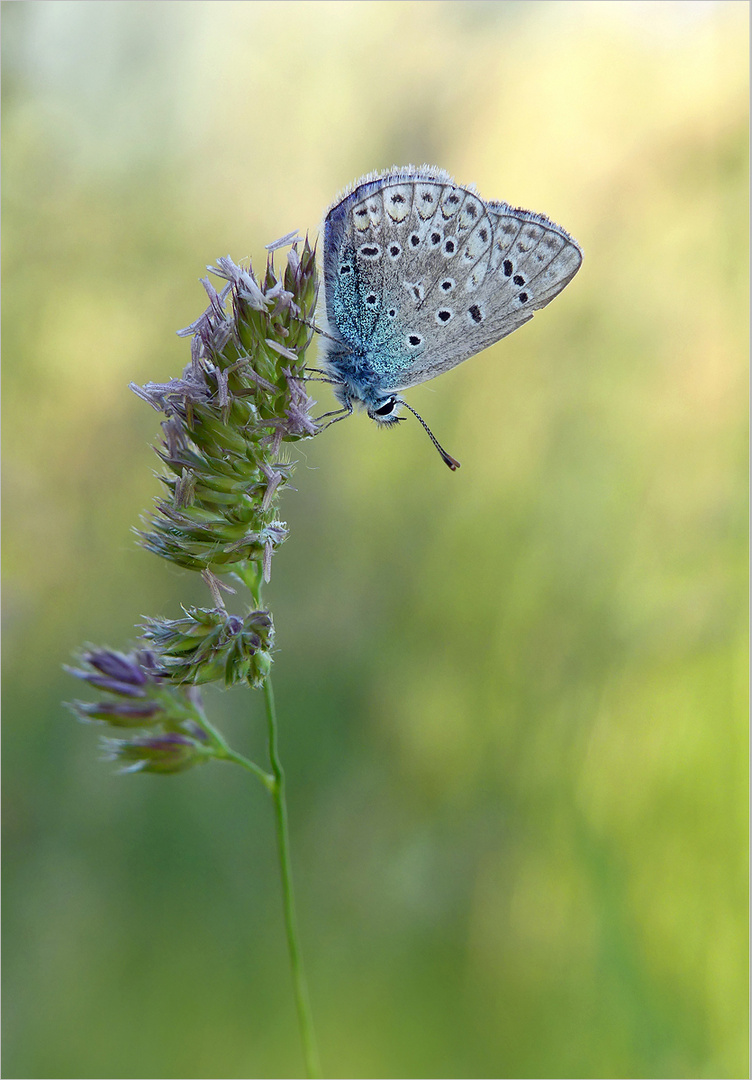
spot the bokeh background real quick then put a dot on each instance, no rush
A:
(513, 699)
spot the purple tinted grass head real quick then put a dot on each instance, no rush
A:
(239, 399)
(170, 753)
(138, 693)
(212, 646)
(119, 713)
(117, 673)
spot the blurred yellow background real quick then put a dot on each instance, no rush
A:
(513, 699)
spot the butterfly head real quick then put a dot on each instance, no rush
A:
(384, 412)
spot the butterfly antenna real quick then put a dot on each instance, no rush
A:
(446, 458)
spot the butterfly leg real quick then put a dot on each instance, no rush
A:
(337, 414)
(320, 378)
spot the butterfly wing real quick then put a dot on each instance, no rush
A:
(421, 274)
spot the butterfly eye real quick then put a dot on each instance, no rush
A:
(386, 409)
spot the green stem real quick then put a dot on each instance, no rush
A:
(222, 751)
(266, 779)
(283, 844)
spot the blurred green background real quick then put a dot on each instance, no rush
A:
(513, 700)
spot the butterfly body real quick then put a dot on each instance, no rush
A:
(421, 273)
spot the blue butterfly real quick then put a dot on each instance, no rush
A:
(420, 274)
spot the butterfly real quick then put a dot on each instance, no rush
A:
(420, 274)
